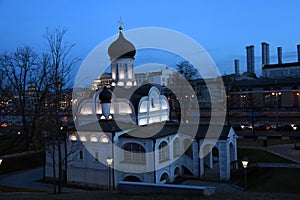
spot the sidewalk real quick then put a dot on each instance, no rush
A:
(286, 151)
(28, 179)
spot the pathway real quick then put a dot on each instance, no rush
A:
(28, 179)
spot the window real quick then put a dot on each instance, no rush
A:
(163, 152)
(83, 139)
(152, 102)
(104, 139)
(134, 153)
(94, 139)
(96, 156)
(73, 138)
(80, 155)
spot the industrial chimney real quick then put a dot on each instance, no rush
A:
(298, 50)
(265, 53)
(279, 52)
(250, 59)
(237, 67)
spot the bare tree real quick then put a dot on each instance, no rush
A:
(17, 67)
(61, 65)
(187, 70)
(184, 93)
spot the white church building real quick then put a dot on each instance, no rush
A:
(129, 126)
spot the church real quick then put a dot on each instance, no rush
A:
(124, 132)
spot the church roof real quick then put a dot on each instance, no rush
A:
(163, 129)
(105, 95)
(172, 128)
(105, 126)
(146, 131)
(121, 48)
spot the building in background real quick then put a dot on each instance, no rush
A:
(164, 77)
(280, 69)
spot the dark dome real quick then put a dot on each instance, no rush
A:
(105, 95)
(121, 48)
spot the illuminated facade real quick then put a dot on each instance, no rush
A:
(131, 125)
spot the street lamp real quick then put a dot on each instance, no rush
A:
(243, 97)
(245, 162)
(0, 162)
(276, 94)
(109, 162)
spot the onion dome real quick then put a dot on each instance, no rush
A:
(121, 48)
(105, 95)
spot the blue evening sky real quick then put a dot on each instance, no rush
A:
(223, 28)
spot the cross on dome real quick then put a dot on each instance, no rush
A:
(121, 23)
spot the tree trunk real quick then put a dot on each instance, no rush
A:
(59, 167)
(54, 169)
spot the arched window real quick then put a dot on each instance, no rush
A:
(163, 152)
(104, 139)
(176, 147)
(134, 153)
(83, 139)
(94, 139)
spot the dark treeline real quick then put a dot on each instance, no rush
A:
(32, 86)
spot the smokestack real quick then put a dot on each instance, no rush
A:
(265, 53)
(298, 50)
(279, 52)
(237, 67)
(250, 59)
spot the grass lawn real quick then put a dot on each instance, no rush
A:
(272, 180)
(257, 155)
(259, 142)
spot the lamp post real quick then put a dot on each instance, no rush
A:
(276, 94)
(245, 162)
(243, 97)
(295, 128)
(109, 162)
(0, 161)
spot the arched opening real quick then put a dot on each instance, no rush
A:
(176, 171)
(132, 179)
(164, 177)
(207, 159)
(233, 161)
(186, 171)
(163, 151)
(134, 153)
(215, 154)
(211, 163)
